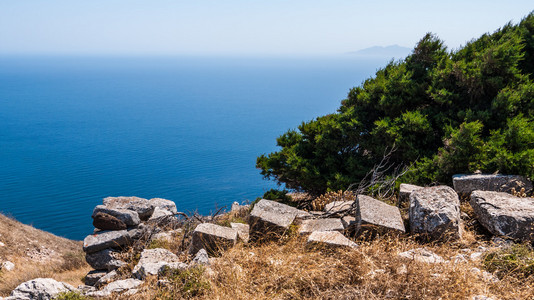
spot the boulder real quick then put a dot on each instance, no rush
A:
(405, 190)
(128, 217)
(104, 260)
(164, 204)
(201, 258)
(375, 216)
(152, 262)
(504, 214)
(213, 238)
(329, 239)
(465, 184)
(92, 277)
(105, 221)
(270, 219)
(7, 266)
(142, 206)
(422, 255)
(106, 239)
(242, 231)
(116, 287)
(40, 288)
(435, 213)
(328, 224)
(336, 207)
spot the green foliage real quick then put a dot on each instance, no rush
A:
(70, 296)
(280, 196)
(449, 112)
(185, 284)
(517, 260)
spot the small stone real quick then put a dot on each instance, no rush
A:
(153, 260)
(201, 258)
(476, 256)
(238, 207)
(116, 287)
(422, 255)
(142, 206)
(105, 221)
(7, 266)
(2, 244)
(213, 238)
(242, 231)
(164, 204)
(330, 239)
(329, 224)
(160, 213)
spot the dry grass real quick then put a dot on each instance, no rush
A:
(290, 270)
(36, 253)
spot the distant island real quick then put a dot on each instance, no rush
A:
(393, 51)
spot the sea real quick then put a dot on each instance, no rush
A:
(77, 129)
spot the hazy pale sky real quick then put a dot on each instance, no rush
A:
(229, 27)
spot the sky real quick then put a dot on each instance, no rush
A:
(240, 27)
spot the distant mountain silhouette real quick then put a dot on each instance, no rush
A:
(391, 51)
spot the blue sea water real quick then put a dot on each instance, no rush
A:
(74, 130)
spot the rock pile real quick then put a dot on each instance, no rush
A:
(434, 213)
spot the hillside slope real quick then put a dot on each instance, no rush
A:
(37, 253)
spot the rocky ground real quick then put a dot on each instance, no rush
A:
(472, 241)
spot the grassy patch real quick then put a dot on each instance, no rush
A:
(517, 261)
(189, 283)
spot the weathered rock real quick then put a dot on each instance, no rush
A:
(116, 287)
(7, 266)
(504, 214)
(142, 206)
(106, 239)
(465, 184)
(213, 238)
(104, 260)
(164, 204)
(40, 288)
(376, 216)
(329, 224)
(329, 239)
(337, 207)
(153, 260)
(242, 231)
(107, 222)
(107, 278)
(129, 217)
(92, 277)
(269, 219)
(405, 190)
(422, 255)
(435, 213)
(201, 258)
(160, 213)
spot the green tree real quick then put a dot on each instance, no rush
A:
(444, 112)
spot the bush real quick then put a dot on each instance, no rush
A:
(444, 113)
(517, 260)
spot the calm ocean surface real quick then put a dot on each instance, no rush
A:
(77, 129)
